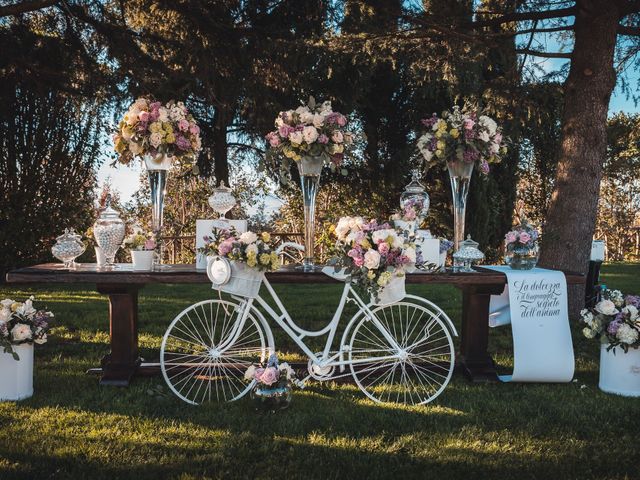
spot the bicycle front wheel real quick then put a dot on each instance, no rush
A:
(415, 371)
(206, 351)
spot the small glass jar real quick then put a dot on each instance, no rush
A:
(467, 255)
(415, 196)
(109, 233)
(271, 398)
(522, 257)
(222, 200)
(68, 247)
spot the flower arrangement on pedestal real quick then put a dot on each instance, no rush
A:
(272, 389)
(459, 140)
(312, 136)
(615, 320)
(21, 323)
(151, 129)
(374, 256)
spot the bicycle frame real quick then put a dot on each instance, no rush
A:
(297, 334)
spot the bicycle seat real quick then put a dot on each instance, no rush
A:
(339, 275)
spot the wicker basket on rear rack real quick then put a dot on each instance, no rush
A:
(232, 277)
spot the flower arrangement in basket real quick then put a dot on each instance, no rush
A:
(237, 262)
(462, 136)
(273, 380)
(21, 323)
(312, 130)
(151, 129)
(615, 320)
(521, 245)
(375, 256)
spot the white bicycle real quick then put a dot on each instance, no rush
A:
(401, 352)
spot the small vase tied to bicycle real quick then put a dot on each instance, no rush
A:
(397, 347)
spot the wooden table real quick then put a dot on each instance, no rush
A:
(122, 286)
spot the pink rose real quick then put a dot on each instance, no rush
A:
(323, 139)
(150, 244)
(194, 129)
(353, 253)
(154, 115)
(274, 141)
(285, 130)
(524, 237)
(225, 247)
(341, 120)
(383, 248)
(269, 376)
(143, 116)
(510, 237)
(258, 373)
(358, 261)
(155, 106)
(183, 125)
(498, 138)
(468, 124)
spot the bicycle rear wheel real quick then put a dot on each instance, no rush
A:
(199, 358)
(413, 374)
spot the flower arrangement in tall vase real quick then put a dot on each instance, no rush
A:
(160, 136)
(312, 136)
(460, 139)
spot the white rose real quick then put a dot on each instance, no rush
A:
(631, 311)
(5, 314)
(248, 375)
(285, 367)
(372, 259)
(356, 222)
(484, 136)
(488, 123)
(135, 148)
(337, 136)
(140, 103)
(155, 139)
(318, 120)
(6, 303)
(176, 114)
(126, 134)
(248, 238)
(606, 307)
(26, 308)
(302, 110)
(310, 134)
(627, 334)
(163, 115)
(381, 235)
(253, 248)
(494, 148)
(279, 122)
(343, 227)
(295, 138)
(21, 332)
(587, 316)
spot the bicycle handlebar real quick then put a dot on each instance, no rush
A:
(293, 245)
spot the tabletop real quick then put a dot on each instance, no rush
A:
(124, 274)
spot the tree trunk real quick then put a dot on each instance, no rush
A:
(220, 154)
(574, 203)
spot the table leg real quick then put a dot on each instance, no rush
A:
(119, 366)
(473, 359)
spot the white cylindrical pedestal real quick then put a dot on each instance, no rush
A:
(16, 376)
(619, 371)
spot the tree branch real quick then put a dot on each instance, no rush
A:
(629, 31)
(26, 6)
(536, 53)
(523, 16)
(564, 28)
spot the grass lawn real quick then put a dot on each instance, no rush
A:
(72, 428)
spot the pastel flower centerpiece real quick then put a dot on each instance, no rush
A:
(155, 131)
(256, 251)
(21, 323)
(521, 245)
(373, 254)
(459, 140)
(141, 241)
(312, 136)
(462, 136)
(615, 320)
(272, 383)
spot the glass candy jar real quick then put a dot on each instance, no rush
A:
(415, 196)
(222, 200)
(68, 247)
(467, 255)
(109, 232)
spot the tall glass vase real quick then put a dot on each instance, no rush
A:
(460, 176)
(310, 169)
(157, 170)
